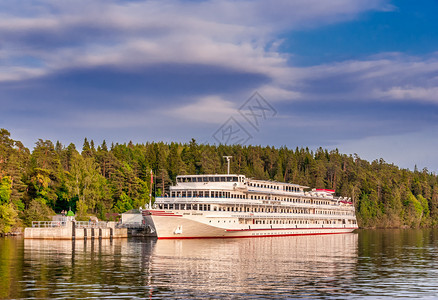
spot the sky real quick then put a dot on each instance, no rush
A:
(359, 76)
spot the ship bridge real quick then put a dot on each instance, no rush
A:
(217, 181)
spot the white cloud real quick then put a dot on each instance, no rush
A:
(16, 73)
(409, 93)
(274, 93)
(387, 77)
(231, 34)
(210, 110)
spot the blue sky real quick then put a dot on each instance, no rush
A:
(360, 76)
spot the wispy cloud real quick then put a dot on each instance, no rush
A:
(121, 66)
(384, 78)
(210, 109)
(411, 93)
(127, 34)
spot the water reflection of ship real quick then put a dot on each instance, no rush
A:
(250, 265)
(205, 268)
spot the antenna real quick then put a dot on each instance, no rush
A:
(228, 158)
(150, 191)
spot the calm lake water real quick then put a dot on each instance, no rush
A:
(381, 263)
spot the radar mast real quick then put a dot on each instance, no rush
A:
(228, 158)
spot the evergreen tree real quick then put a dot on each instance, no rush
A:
(102, 180)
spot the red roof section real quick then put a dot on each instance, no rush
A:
(325, 190)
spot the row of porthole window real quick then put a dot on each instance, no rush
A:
(229, 221)
(280, 233)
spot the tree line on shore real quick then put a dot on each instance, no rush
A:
(105, 180)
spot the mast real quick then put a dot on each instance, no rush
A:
(150, 191)
(228, 158)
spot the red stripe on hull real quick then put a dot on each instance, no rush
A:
(255, 229)
(246, 236)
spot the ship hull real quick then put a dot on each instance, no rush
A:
(176, 226)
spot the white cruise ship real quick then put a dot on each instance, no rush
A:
(233, 206)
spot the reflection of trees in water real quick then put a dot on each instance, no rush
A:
(11, 266)
(144, 268)
(404, 260)
(84, 268)
(371, 263)
(251, 266)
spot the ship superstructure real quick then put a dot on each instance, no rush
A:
(231, 205)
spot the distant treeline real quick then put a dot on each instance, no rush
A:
(103, 180)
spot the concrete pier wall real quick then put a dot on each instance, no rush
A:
(120, 232)
(58, 233)
(70, 232)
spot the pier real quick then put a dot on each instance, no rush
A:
(70, 230)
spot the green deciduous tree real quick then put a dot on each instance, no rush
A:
(8, 213)
(104, 180)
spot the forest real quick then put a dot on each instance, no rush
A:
(106, 180)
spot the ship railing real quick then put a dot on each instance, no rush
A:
(335, 202)
(306, 226)
(48, 224)
(312, 226)
(237, 201)
(288, 215)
